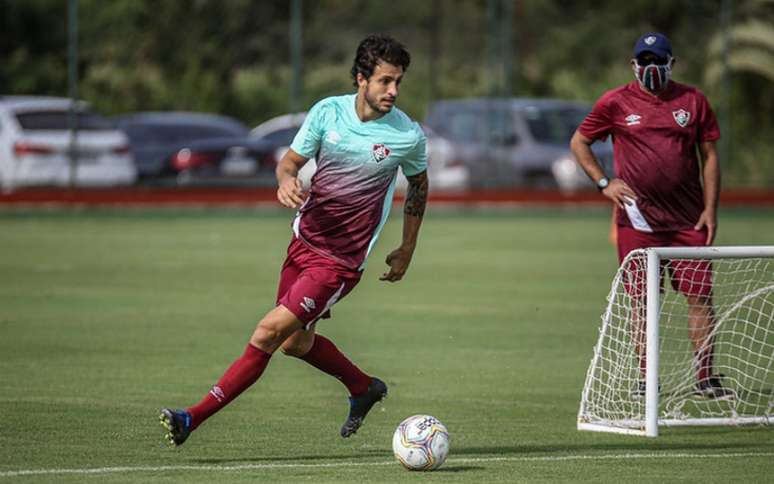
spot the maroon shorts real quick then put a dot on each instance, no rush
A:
(692, 278)
(310, 283)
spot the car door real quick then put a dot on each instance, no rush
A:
(483, 136)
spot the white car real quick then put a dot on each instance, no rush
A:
(445, 171)
(36, 146)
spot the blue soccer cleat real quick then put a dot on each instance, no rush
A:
(177, 424)
(360, 406)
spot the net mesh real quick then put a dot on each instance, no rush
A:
(715, 327)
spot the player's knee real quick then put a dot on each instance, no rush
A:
(274, 328)
(266, 337)
(294, 349)
(298, 344)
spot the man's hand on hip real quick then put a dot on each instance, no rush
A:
(709, 220)
(619, 192)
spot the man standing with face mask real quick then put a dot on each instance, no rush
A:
(665, 195)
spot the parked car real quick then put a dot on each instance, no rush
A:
(445, 171)
(280, 131)
(517, 142)
(36, 146)
(196, 148)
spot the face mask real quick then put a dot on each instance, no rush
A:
(653, 77)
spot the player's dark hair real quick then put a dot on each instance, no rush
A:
(378, 48)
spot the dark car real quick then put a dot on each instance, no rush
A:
(517, 142)
(196, 148)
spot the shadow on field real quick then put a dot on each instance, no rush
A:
(452, 468)
(301, 458)
(636, 445)
(690, 445)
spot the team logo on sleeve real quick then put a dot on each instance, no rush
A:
(380, 152)
(681, 117)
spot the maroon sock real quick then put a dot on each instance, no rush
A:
(239, 376)
(704, 360)
(326, 357)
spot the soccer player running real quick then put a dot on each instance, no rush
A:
(665, 197)
(359, 141)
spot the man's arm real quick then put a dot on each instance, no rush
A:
(617, 191)
(711, 179)
(413, 211)
(290, 192)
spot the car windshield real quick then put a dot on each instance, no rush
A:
(282, 136)
(164, 133)
(555, 126)
(478, 126)
(60, 120)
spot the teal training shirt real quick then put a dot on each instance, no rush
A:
(357, 163)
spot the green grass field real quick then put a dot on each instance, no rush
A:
(107, 316)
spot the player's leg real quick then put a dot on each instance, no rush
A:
(629, 239)
(271, 331)
(318, 284)
(269, 334)
(701, 327)
(694, 280)
(701, 323)
(277, 325)
(320, 352)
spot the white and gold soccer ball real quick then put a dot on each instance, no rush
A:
(421, 443)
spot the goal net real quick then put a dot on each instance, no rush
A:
(687, 338)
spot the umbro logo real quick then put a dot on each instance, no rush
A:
(632, 119)
(308, 304)
(333, 137)
(217, 392)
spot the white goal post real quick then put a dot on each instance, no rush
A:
(677, 318)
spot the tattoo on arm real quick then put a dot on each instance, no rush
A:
(416, 196)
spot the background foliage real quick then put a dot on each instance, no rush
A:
(232, 57)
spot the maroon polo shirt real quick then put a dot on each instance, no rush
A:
(655, 149)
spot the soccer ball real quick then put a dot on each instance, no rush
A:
(421, 443)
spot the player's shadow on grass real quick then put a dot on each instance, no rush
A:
(636, 444)
(255, 459)
(453, 468)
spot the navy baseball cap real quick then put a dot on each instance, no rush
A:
(655, 43)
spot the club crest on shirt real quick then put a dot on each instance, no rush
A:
(380, 152)
(681, 117)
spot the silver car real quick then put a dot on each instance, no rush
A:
(35, 145)
(516, 142)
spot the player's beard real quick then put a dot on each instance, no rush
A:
(373, 103)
